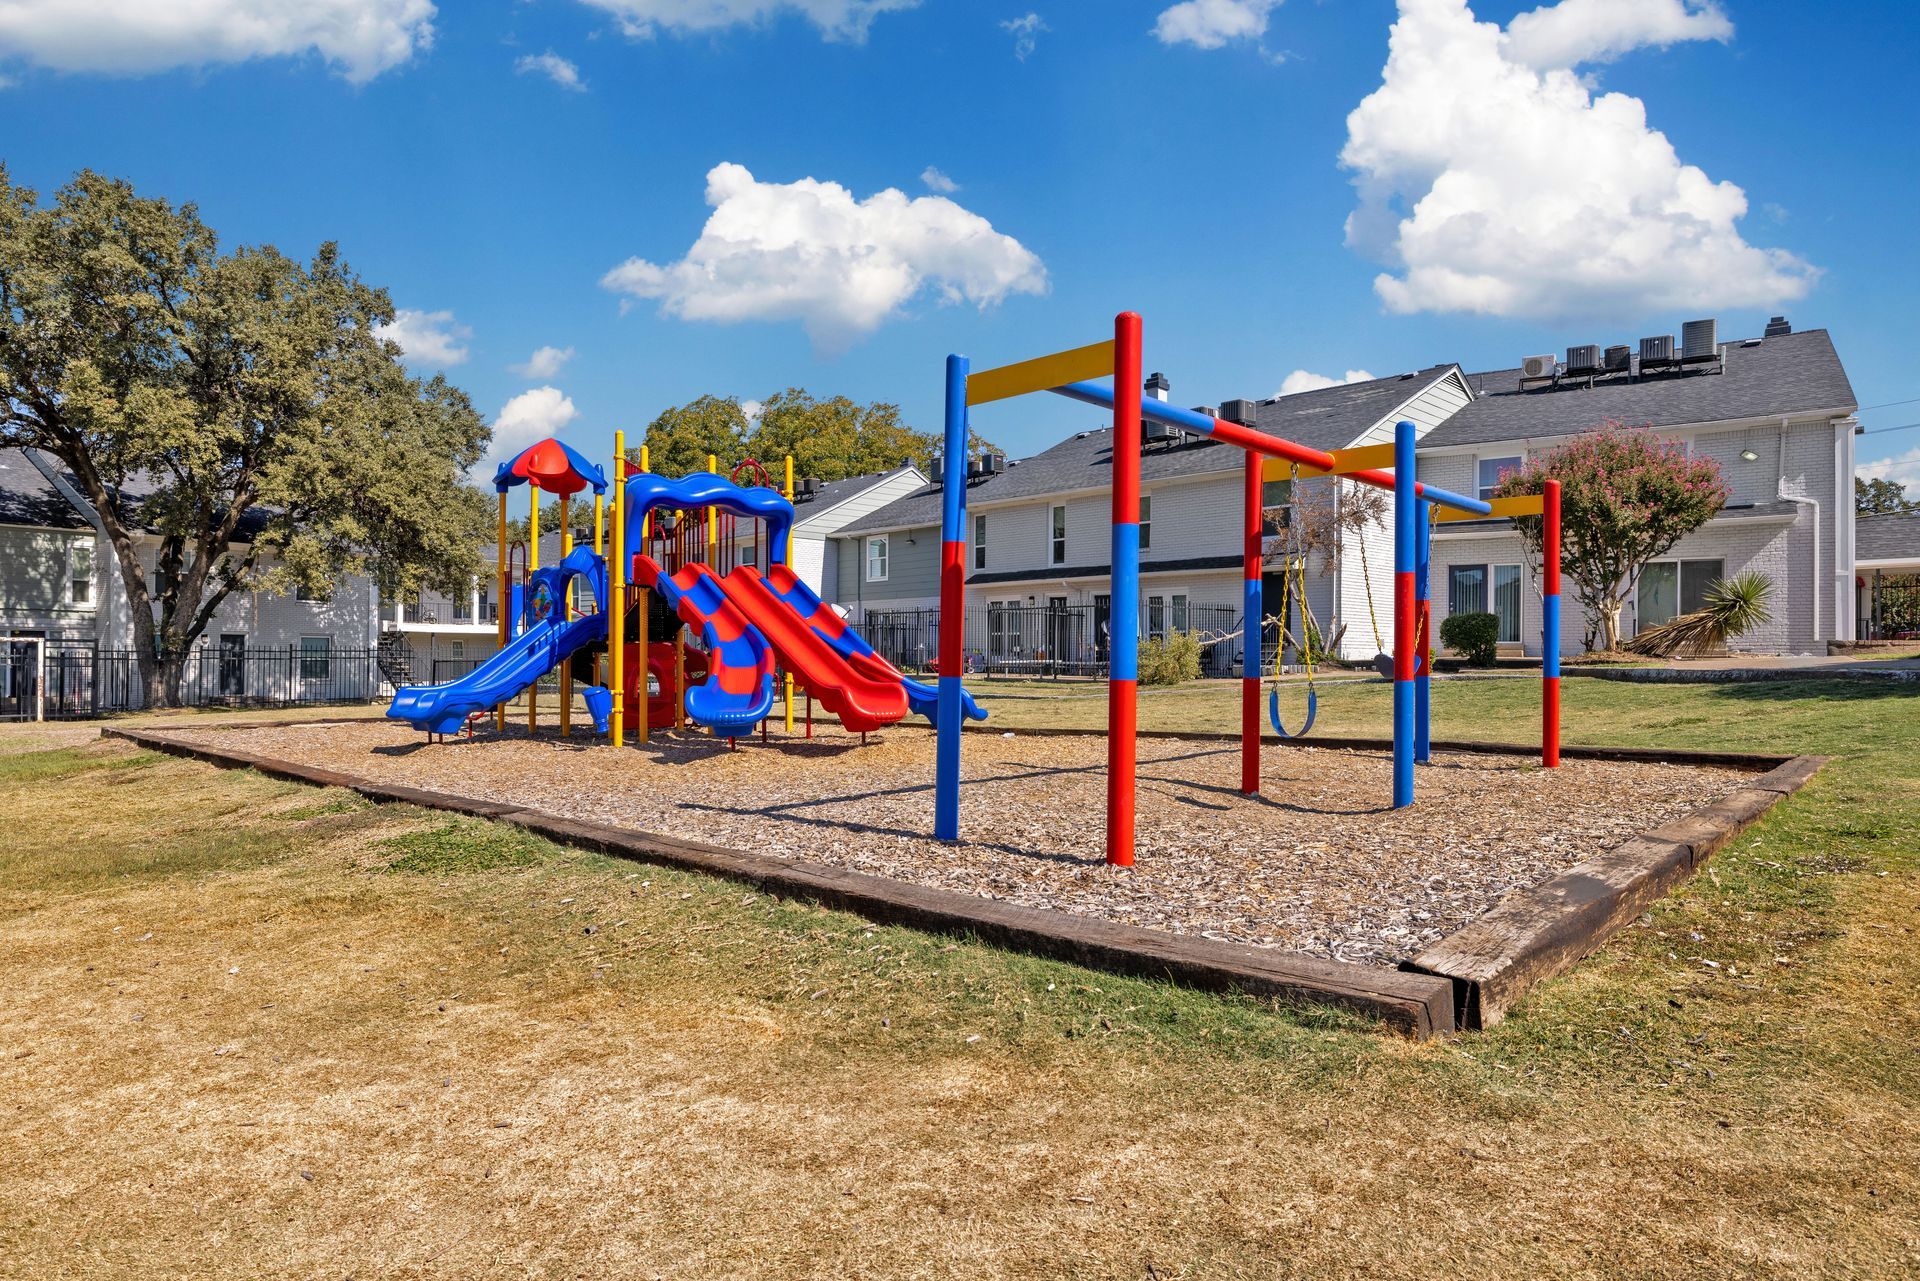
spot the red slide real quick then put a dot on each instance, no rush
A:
(862, 701)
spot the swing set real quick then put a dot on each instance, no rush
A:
(1066, 373)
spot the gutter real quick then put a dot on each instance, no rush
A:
(1780, 487)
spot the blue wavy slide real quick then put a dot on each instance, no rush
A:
(443, 709)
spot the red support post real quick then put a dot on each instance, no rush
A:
(1253, 621)
(1123, 642)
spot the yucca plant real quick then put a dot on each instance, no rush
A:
(1733, 606)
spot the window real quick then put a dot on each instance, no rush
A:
(1670, 588)
(1059, 552)
(1491, 469)
(488, 614)
(1156, 618)
(460, 609)
(304, 593)
(997, 629)
(1180, 612)
(979, 542)
(1466, 589)
(80, 573)
(316, 657)
(1146, 521)
(877, 560)
(1276, 499)
(1506, 602)
(459, 648)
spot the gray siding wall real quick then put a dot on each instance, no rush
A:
(913, 571)
(34, 582)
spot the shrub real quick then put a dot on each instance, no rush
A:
(1733, 606)
(1171, 660)
(1475, 637)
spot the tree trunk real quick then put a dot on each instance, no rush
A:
(169, 672)
(1610, 624)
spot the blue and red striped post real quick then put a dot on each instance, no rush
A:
(1406, 512)
(1550, 626)
(1423, 636)
(1123, 670)
(953, 584)
(1253, 615)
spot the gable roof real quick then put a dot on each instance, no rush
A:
(1788, 374)
(1887, 537)
(1328, 418)
(27, 497)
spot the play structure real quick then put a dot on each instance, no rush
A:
(1388, 465)
(693, 546)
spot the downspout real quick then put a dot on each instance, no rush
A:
(1845, 602)
(1814, 503)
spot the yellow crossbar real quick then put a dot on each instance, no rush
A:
(1345, 463)
(1042, 373)
(1503, 509)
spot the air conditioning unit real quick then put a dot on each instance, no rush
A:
(1619, 359)
(1539, 367)
(1154, 430)
(1237, 411)
(809, 486)
(936, 469)
(992, 464)
(1699, 340)
(1583, 359)
(1657, 349)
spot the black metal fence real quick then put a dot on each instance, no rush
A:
(1048, 641)
(81, 682)
(1893, 608)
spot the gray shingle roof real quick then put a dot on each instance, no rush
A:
(1887, 538)
(834, 492)
(27, 497)
(1330, 418)
(1788, 374)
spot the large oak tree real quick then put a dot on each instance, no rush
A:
(235, 418)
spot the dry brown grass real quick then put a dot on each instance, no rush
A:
(445, 1075)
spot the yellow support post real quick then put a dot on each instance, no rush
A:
(506, 591)
(617, 600)
(644, 685)
(565, 606)
(786, 676)
(533, 563)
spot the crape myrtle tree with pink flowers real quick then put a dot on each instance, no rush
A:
(1627, 495)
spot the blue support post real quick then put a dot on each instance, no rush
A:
(953, 574)
(1405, 553)
(1423, 637)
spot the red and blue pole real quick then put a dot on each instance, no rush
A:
(1550, 626)
(1123, 652)
(1423, 636)
(953, 586)
(1253, 614)
(1406, 546)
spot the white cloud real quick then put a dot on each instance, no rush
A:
(427, 337)
(361, 38)
(837, 19)
(1305, 380)
(544, 363)
(809, 251)
(1903, 469)
(937, 181)
(1577, 31)
(1209, 24)
(1026, 34)
(553, 67)
(1501, 189)
(752, 408)
(531, 416)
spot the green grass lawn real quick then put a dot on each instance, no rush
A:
(250, 1028)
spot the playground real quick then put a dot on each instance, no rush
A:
(1316, 865)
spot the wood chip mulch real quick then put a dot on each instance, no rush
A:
(1317, 865)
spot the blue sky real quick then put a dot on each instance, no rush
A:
(1181, 160)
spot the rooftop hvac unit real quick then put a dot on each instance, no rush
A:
(1619, 359)
(809, 486)
(1699, 340)
(1237, 411)
(1538, 367)
(992, 464)
(1657, 350)
(936, 469)
(1153, 430)
(1584, 359)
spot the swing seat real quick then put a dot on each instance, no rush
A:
(1383, 663)
(1273, 713)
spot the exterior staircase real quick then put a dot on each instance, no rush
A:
(395, 659)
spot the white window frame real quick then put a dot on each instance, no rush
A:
(1146, 522)
(1484, 491)
(1057, 534)
(1179, 614)
(1156, 617)
(979, 541)
(76, 549)
(1679, 564)
(323, 655)
(878, 542)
